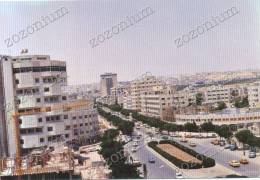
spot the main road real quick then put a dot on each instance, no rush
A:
(161, 170)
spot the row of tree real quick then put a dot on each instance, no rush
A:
(126, 127)
(223, 130)
(113, 152)
(247, 137)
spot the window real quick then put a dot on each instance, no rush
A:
(81, 125)
(38, 100)
(65, 116)
(49, 129)
(67, 135)
(67, 127)
(46, 89)
(17, 81)
(37, 80)
(21, 141)
(41, 140)
(64, 98)
(80, 117)
(39, 119)
(74, 117)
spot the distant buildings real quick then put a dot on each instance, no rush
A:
(254, 95)
(107, 81)
(31, 91)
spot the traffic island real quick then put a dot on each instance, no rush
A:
(181, 156)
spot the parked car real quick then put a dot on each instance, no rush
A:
(179, 175)
(227, 147)
(151, 159)
(244, 161)
(222, 143)
(215, 142)
(184, 140)
(192, 144)
(234, 163)
(233, 147)
(165, 137)
(252, 154)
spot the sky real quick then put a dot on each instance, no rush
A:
(147, 46)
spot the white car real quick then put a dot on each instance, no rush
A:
(134, 149)
(179, 175)
(135, 144)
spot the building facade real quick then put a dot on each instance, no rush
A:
(107, 81)
(32, 91)
(254, 95)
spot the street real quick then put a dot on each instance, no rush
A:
(222, 156)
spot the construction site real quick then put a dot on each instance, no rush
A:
(59, 161)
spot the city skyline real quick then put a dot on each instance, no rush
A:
(148, 46)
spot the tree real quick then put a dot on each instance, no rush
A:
(244, 136)
(241, 103)
(224, 131)
(207, 127)
(191, 127)
(199, 99)
(221, 106)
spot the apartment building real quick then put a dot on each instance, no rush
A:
(29, 84)
(144, 84)
(184, 98)
(107, 81)
(155, 101)
(254, 95)
(215, 94)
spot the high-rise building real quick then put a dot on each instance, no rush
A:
(107, 81)
(31, 91)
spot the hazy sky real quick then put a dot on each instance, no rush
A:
(145, 46)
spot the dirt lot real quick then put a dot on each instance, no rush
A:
(176, 152)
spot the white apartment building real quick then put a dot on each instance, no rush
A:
(215, 94)
(144, 84)
(184, 97)
(254, 95)
(30, 83)
(155, 101)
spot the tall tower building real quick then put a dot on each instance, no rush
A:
(107, 81)
(31, 91)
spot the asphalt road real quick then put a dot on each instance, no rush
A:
(161, 170)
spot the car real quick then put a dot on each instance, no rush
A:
(233, 147)
(215, 142)
(234, 163)
(179, 175)
(137, 163)
(192, 144)
(165, 137)
(227, 147)
(151, 159)
(183, 140)
(252, 154)
(135, 144)
(134, 149)
(222, 143)
(244, 161)
(188, 136)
